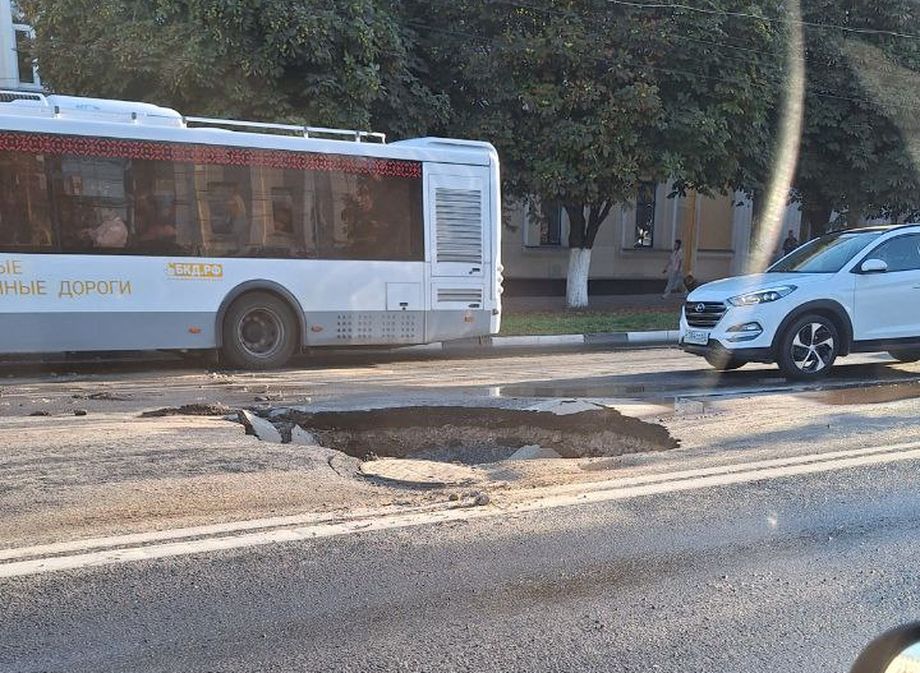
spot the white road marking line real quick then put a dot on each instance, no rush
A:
(201, 531)
(136, 539)
(858, 458)
(725, 469)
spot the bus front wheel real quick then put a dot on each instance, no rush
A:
(259, 332)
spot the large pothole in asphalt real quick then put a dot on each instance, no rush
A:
(475, 435)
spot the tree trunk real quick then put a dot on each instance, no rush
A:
(576, 286)
(854, 217)
(816, 217)
(583, 229)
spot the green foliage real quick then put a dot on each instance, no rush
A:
(854, 153)
(585, 98)
(339, 64)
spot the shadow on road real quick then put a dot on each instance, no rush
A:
(707, 382)
(657, 377)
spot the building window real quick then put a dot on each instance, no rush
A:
(645, 215)
(544, 225)
(28, 70)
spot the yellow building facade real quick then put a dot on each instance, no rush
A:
(633, 244)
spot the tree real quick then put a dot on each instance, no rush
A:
(854, 156)
(339, 64)
(586, 98)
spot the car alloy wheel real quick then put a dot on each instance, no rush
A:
(813, 348)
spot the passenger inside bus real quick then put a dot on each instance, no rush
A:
(11, 220)
(25, 221)
(374, 226)
(154, 221)
(360, 219)
(111, 231)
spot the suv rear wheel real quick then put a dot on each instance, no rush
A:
(807, 350)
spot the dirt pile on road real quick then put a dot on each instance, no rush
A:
(190, 410)
(474, 435)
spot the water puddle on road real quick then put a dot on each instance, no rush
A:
(631, 400)
(572, 391)
(879, 394)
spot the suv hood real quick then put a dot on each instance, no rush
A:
(721, 290)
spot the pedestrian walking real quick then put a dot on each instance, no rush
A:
(790, 244)
(674, 270)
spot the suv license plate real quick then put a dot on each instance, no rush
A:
(696, 337)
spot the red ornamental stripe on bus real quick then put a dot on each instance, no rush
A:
(82, 146)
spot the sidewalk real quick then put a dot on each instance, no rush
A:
(647, 339)
(604, 302)
(547, 306)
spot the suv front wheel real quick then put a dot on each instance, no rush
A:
(807, 350)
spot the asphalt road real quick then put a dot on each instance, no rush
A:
(789, 574)
(638, 374)
(782, 571)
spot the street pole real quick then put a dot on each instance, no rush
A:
(690, 235)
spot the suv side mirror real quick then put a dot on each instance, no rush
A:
(874, 266)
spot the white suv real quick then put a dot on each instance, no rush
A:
(851, 291)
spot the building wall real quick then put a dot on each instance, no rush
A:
(716, 240)
(17, 72)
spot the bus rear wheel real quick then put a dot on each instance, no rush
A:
(259, 332)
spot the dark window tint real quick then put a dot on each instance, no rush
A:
(828, 254)
(224, 202)
(163, 215)
(24, 56)
(645, 215)
(25, 218)
(136, 205)
(92, 203)
(551, 224)
(278, 227)
(366, 217)
(901, 253)
(282, 210)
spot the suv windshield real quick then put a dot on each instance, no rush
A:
(827, 254)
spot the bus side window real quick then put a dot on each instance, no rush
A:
(161, 216)
(375, 217)
(277, 220)
(224, 202)
(25, 220)
(92, 203)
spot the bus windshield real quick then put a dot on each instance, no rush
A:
(827, 254)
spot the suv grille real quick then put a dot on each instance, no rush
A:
(704, 313)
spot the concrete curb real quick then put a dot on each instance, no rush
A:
(614, 339)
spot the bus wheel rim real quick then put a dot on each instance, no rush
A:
(260, 332)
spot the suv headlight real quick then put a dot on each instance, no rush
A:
(762, 296)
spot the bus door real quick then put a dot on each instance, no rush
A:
(458, 249)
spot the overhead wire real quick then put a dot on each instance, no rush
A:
(816, 89)
(748, 15)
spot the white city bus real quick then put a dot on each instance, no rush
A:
(126, 226)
